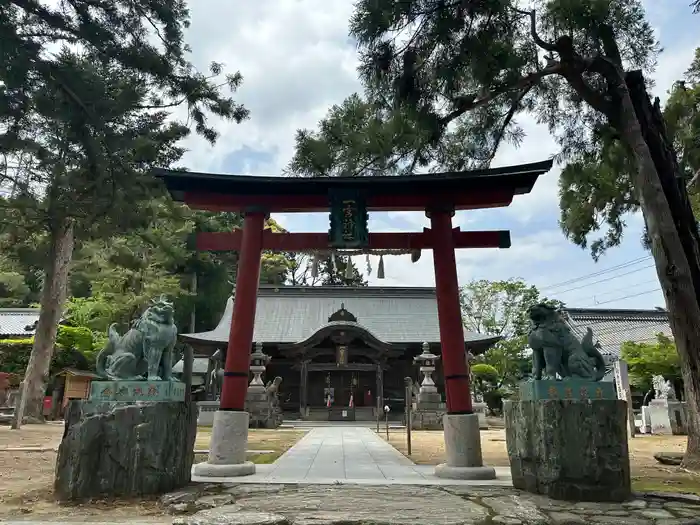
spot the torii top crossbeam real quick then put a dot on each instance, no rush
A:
(464, 190)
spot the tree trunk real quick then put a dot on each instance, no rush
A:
(674, 244)
(53, 296)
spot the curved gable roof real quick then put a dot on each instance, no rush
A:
(290, 314)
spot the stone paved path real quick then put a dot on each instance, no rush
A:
(247, 504)
(348, 455)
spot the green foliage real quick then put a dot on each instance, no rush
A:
(79, 339)
(14, 356)
(596, 190)
(500, 308)
(445, 82)
(300, 272)
(645, 360)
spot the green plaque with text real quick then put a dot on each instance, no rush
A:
(348, 220)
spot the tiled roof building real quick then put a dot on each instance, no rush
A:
(18, 322)
(613, 327)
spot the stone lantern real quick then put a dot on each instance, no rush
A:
(428, 396)
(258, 364)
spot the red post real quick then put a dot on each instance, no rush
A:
(240, 339)
(454, 364)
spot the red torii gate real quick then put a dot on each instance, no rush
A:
(349, 199)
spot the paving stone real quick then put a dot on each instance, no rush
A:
(232, 515)
(621, 520)
(213, 500)
(515, 507)
(657, 514)
(385, 505)
(678, 521)
(505, 520)
(635, 504)
(616, 513)
(244, 488)
(480, 492)
(687, 513)
(567, 518)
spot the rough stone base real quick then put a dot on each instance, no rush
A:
(569, 450)
(118, 449)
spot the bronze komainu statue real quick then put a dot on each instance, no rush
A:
(557, 352)
(145, 351)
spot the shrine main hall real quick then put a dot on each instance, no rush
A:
(341, 351)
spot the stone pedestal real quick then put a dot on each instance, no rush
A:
(427, 419)
(227, 450)
(463, 449)
(667, 416)
(125, 449)
(569, 449)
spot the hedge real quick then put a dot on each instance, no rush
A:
(74, 349)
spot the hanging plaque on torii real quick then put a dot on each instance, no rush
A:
(348, 220)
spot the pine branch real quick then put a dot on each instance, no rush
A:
(469, 102)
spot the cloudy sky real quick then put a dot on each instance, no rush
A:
(297, 61)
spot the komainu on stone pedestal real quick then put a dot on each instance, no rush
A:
(120, 449)
(569, 450)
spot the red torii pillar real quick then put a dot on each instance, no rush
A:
(229, 439)
(461, 425)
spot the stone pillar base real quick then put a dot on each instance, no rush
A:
(463, 449)
(227, 450)
(569, 449)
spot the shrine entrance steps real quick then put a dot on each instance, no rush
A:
(345, 454)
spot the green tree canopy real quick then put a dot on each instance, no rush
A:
(597, 191)
(645, 360)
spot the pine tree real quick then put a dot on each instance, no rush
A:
(83, 125)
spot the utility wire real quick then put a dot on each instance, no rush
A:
(603, 280)
(629, 296)
(598, 273)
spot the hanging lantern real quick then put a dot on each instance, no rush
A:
(415, 255)
(368, 265)
(333, 263)
(380, 268)
(348, 269)
(314, 266)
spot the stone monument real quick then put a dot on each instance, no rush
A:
(262, 402)
(567, 435)
(666, 414)
(134, 435)
(428, 408)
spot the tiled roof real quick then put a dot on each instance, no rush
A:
(291, 314)
(614, 327)
(18, 321)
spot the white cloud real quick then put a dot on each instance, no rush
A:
(296, 61)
